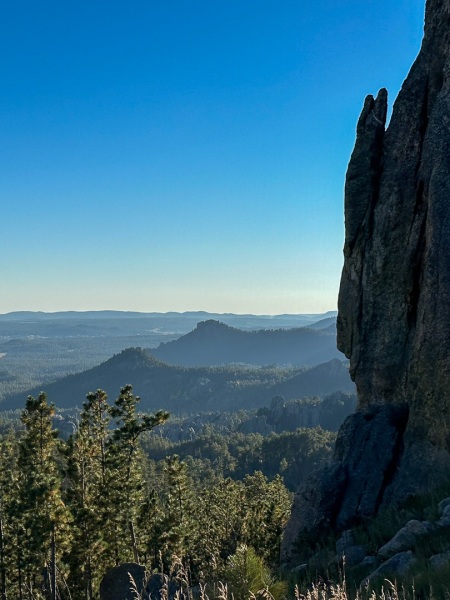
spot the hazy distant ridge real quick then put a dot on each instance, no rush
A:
(215, 343)
(120, 323)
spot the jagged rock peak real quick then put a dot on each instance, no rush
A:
(393, 322)
(394, 300)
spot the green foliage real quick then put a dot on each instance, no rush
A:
(247, 574)
(71, 509)
(105, 485)
(125, 479)
(87, 493)
(41, 519)
(183, 389)
(428, 583)
(293, 454)
(8, 522)
(30, 361)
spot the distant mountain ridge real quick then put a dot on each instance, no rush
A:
(120, 323)
(325, 324)
(29, 314)
(187, 390)
(38, 348)
(216, 343)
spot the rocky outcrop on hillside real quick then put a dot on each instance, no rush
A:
(370, 561)
(280, 416)
(394, 318)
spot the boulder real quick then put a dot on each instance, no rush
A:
(117, 583)
(396, 567)
(127, 580)
(444, 512)
(346, 540)
(354, 555)
(407, 537)
(443, 505)
(368, 446)
(155, 585)
(347, 550)
(370, 561)
(350, 488)
(438, 561)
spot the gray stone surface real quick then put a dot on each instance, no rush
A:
(354, 555)
(394, 318)
(394, 322)
(397, 566)
(368, 445)
(346, 540)
(155, 585)
(116, 584)
(314, 507)
(443, 506)
(444, 512)
(370, 561)
(351, 487)
(407, 537)
(438, 561)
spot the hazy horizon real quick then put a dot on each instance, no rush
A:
(163, 157)
(156, 312)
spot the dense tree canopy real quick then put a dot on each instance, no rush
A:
(73, 506)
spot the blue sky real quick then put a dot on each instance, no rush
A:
(185, 155)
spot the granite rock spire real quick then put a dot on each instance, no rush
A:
(394, 300)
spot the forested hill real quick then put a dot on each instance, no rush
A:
(186, 390)
(215, 343)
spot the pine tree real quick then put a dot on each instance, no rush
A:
(8, 491)
(217, 522)
(87, 494)
(178, 511)
(125, 473)
(40, 512)
(268, 506)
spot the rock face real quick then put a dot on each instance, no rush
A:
(397, 566)
(394, 317)
(394, 300)
(407, 537)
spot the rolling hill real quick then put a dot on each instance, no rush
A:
(186, 390)
(215, 343)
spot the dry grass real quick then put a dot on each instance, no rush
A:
(220, 590)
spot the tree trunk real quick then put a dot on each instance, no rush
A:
(133, 543)
(53, 567)
(19, 568)
(2, 563)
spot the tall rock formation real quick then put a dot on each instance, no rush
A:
(394, 300)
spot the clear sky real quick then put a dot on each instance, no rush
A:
(185, 155)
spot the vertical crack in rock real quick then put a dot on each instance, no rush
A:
(397, 454)
(420, 214)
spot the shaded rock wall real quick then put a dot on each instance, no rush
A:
(394, 317)
(394, 300)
